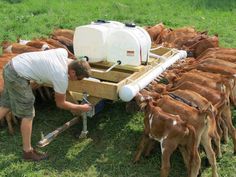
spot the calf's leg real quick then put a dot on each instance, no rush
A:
(206, 142)
(142, 145)
(168, 147)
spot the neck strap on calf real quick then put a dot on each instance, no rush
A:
(178, 98)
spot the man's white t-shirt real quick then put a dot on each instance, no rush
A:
(50, 67)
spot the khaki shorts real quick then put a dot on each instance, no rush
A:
(17, 94)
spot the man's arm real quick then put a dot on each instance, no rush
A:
(63, 104)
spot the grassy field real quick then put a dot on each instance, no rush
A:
(113, 133)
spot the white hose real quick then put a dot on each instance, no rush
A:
(109, 69)
(128, 92)
(156, 56)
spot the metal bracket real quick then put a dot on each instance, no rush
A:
(84, 132)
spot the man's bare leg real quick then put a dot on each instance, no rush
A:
(28, 152)
(26, 131)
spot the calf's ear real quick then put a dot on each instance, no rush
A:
(143, 106)
(154, 103)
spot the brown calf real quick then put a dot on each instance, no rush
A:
(228, 81)
(195, 118)
(64, 32)
(65, 41)
(199, 79)
(217, 61)
(220, 53)
(203, 105)
(219, 100)
(56, 44)
(17, 48)
(155, 31)
(172, 133)
(203, 45)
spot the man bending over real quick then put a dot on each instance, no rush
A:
(51, 67)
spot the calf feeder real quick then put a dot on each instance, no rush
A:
(122, 63)
(127, 92)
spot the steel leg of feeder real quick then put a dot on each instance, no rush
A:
(84, 132)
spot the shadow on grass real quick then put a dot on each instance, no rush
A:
(113, 141)
(108, 151)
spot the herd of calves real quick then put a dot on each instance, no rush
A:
(193, 108)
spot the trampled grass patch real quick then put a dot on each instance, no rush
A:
(113, 133)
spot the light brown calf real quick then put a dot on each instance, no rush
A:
(178, 33)
(64, 32)
(195, 100)
(56, 44)
(220, 53)
(199, 79)
(228, 81)
(65, 41)
(195, 118)
(155, 31)
(203, 45)
(217, 61)
(219, 100)
(171, 132)
(203, 105)
(17, 48)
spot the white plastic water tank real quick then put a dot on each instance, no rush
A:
(90, 40)
(130, 45)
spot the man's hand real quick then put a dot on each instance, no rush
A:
(82, 108)
(85, 107)
(75, 108)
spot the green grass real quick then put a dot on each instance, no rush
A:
(113, 134)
